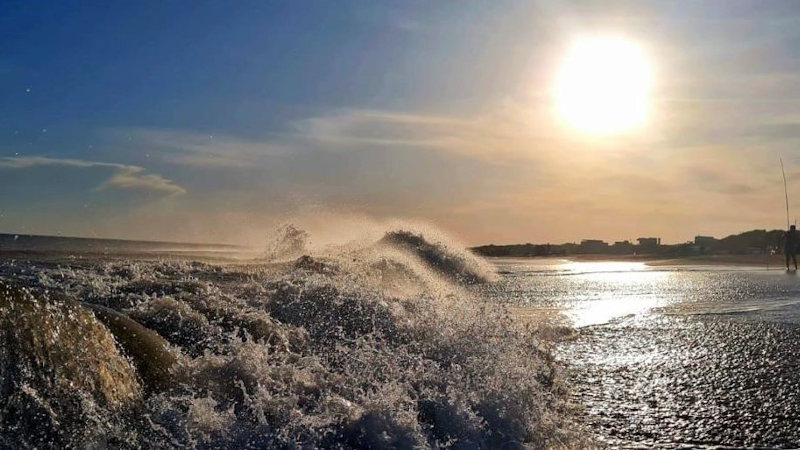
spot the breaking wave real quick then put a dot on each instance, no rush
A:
(443, 257)
(376, 346)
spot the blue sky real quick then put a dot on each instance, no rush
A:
(215, 121)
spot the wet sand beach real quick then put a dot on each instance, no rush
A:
(672, 356)
(666, 381)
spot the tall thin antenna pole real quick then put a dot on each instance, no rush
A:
(785, 193)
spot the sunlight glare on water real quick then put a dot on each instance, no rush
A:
(597, 292)
(602, 267)
(672, 356)
(621, 289)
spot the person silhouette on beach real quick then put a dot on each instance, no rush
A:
(790, 246)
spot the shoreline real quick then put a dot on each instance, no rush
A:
(658, 260)
(738, 260)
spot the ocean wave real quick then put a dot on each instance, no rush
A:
(380, 346)
(442, 256)
(60, 370)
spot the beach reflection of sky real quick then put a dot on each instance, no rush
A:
(586, 292)
(596, 292)
(671, 354)
(619, 289)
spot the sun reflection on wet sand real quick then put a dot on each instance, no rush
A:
(602, 267)
(619, 289)
(672, 356)
(585, 293)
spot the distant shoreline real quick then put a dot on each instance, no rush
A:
(659, 260)
(742, 260)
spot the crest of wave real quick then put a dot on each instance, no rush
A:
(375, 345)
(440, 253)
(288, 241)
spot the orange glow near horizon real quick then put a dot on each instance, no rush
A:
(603, 86)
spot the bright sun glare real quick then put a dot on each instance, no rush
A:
(603, 86)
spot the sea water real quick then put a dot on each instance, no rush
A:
(406, 342)
(671, 356)
(375, 344)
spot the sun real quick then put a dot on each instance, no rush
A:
(603, 86)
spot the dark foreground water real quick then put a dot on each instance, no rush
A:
(673, 356)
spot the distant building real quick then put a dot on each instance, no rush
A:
(593, 246)
(649, 242)
(704, 244)
(622, 248)
(704, 241)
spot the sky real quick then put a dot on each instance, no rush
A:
(218, 121)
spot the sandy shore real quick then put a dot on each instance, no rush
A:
(701, 358)
(744, 260)
(651, 260)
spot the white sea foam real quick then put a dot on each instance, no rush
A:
(373, 345)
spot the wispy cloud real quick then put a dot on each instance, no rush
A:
(500, 135)
(201, 150)
(127, 177)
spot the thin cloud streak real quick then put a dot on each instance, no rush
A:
(201, 150)
(125, 177)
